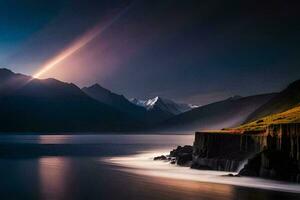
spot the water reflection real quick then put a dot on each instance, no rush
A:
(79, 173)
(98, 139)
(53, 176)
(53, 139)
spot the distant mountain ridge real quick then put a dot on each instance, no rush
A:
(150, 111)
(164, 104)
(117, 101)
(10, 82)
(28, 104)
(160, 109)
(283, 101)
(223, 114)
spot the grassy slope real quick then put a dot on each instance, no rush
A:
(285, 100)
(289, 116)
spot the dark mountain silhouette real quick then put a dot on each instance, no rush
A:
(283, 101)
(28, 104)
(10, 82)
(115, 100)
(157, 110)
(228, 113)
(149, 111)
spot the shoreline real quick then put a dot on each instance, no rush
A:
(143, 164)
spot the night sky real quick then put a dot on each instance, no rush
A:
(191, 51)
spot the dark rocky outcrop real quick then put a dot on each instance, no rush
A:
(274, 153)
(162, 157)
(224, 151)
(181, 156)
(280, 158)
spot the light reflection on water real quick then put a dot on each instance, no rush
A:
(100, 139)
(52, 171)
(79, 176)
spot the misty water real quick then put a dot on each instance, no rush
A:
(116, 167)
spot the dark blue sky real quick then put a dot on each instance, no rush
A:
(193, 51)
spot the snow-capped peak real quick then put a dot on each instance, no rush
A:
(148, 104)
(138, 102)
(151, 102)
(164, 104)
(192, 106)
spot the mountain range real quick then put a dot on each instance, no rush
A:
(149, 111)
(28, 104)
(227, 113)
(117, 101)
(284, 107)
(160, 109)
(164, 104)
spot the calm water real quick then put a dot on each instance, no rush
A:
(77, 167)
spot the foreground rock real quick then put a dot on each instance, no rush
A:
(162, 157)
(182, 156)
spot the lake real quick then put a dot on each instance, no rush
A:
(117, 167)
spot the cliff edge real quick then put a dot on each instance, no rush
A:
(272, 153)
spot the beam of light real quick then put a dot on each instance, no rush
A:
(76, 45)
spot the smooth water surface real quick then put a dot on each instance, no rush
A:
(89, 167)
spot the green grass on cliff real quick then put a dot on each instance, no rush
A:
(289, 116)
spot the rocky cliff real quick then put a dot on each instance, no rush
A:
(280, 158)
(273, 153)
(224, 151)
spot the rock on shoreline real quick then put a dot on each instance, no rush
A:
(181, 156)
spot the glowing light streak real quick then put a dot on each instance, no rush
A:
(75, 46)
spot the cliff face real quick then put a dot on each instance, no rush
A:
(285, 138)
(273, 153)
(280, 159)
(224, 151)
